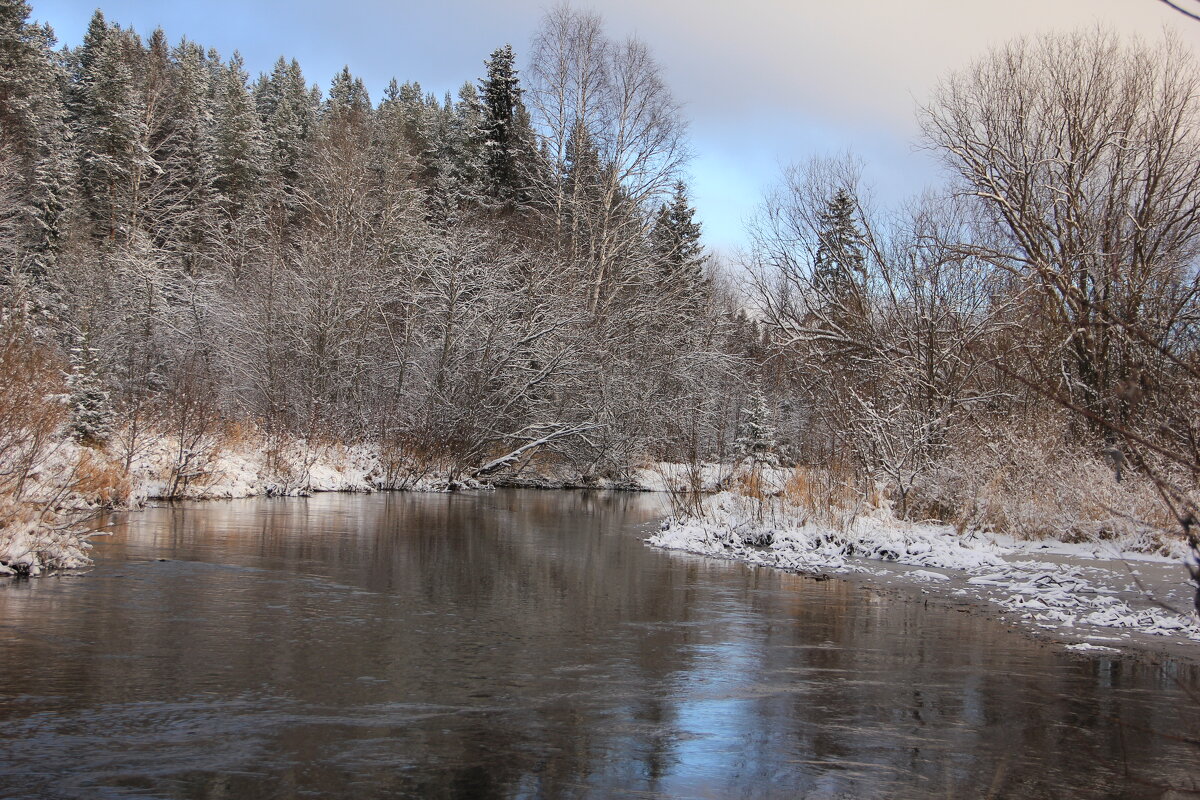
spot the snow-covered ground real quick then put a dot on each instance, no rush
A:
(47, 528)
(32, 547)
(1095, 596)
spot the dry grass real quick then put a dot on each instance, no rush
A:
(1027, 481)
(32, 417)
(100, 480)
(820, 491)
(38, 515)
(240, 436)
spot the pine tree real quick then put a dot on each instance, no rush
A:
(507, 137)
(756, 437)
(839, 267)
(240, 160)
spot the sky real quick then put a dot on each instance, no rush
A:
(765, 83)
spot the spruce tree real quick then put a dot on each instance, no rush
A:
(348, 104)
(91, 409)
(33, 132)
(467, 141)
(583, 189)
(675, 239)
(391, 157)
(187, 159)
(240, 160)
(286, 109)
(507, 137)
(111, 134)
(756, 437)
(839, 267)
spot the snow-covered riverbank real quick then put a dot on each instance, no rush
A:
(49, 527)
(1093, 596)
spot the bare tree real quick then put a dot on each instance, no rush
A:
(879, 322)
(613, 137)
(1084, 152)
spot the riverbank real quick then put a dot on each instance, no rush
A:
(1096, 596)
(45, 524)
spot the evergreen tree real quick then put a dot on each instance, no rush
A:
(675, 239)
(23, 67)
(583, 189)
(187, 159)
(391, 156)
(240, 160)
(417, 130)
(349, 104)
(288, 114)
(111, 131)
(91, 409)
(467, 141)
(506, 133)
(756, 436)
(93, 40)
(33, 131)
(839, 270)
(434, 132)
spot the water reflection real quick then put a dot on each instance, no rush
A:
(527, 644)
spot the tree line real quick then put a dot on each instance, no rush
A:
(515, 269)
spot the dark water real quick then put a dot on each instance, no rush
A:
(526, 644)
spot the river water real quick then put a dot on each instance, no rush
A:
(528, 644)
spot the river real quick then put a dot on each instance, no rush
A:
(528, 644)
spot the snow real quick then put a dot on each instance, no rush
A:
(31, 548)
(666, 476)
(48, 531)
(1085, 646)
(1072, 589)
(926, 575)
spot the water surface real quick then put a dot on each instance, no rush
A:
(528, 644)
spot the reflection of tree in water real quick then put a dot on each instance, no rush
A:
(527, 643)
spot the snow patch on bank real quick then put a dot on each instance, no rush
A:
(31, 548)
(737, 527)
(48, 528)
(1071, 597)
(293, 468)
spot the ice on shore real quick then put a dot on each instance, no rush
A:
(1083, 588)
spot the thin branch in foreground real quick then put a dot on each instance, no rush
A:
(1181, 10)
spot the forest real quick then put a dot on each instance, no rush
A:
(511, 284)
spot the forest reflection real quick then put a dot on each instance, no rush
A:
(523, 643)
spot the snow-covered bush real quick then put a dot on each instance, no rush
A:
(38, 462)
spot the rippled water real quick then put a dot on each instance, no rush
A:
(527, 644)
